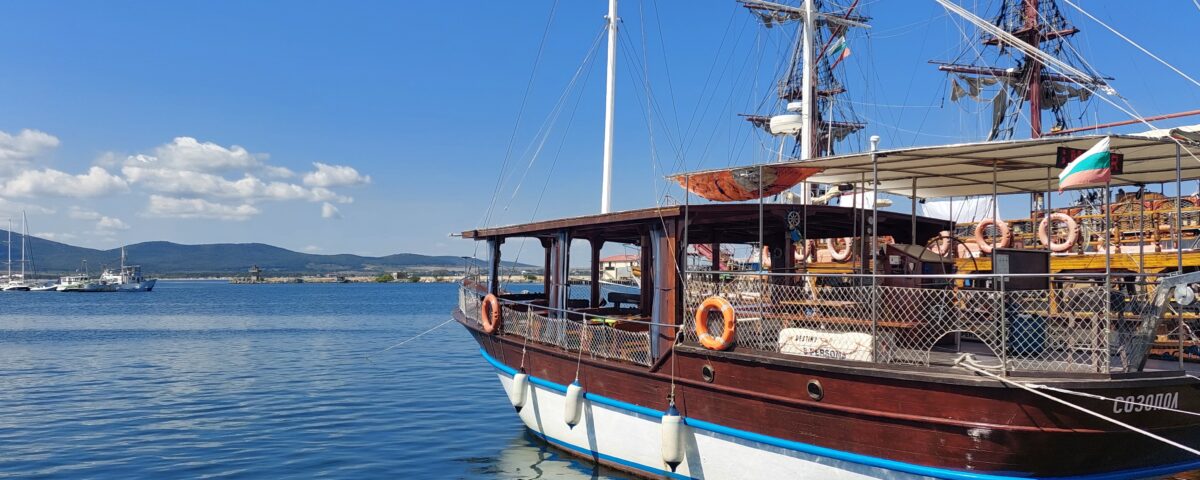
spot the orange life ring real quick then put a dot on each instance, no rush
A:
(840, 256)
(805, 251)
(489, 313)
(1005, 235)
(942, 244)
(710, 341)
(1072, 232)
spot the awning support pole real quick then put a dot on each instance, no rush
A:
(1179, 239)
(875, 247)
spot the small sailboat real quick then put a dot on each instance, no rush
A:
(129, 278)
(17, 282)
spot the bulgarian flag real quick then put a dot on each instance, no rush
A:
(1093, 167)
(839, 49)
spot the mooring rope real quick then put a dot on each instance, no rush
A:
(965, 361)
(409, 339)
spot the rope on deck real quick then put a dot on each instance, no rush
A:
(967, 362)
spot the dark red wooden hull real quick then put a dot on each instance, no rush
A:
(941, 419)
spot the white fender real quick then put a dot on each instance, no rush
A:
(574, 404)
(672, 438)
(516, 396)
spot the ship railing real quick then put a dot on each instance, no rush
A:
(594, 336)
(1079, 327)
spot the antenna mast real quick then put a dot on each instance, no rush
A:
(610, 95)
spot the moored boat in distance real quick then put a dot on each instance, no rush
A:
(128, 278)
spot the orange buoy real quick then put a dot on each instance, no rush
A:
(489, 313)
(1072, 232)
(710, 341)
(1005, 235)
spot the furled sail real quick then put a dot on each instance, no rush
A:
(743, 183)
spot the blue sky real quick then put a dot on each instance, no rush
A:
(200, 122)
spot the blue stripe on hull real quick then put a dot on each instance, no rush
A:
(813, 449)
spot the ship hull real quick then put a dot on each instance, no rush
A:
(756, 415)
(145, 286)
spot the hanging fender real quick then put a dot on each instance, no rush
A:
(942, 244)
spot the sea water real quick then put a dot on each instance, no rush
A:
(207, 379)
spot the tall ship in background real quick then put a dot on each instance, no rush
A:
(885, 359)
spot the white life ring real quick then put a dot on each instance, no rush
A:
(1005, 235)
(1072, 232)
(840, 256)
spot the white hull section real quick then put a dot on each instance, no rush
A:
(145, 286)
(634, 440)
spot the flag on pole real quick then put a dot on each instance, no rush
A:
(1093, 167)
(840, 50)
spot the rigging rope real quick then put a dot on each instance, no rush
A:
(966, 362)
(1135, 44)
(440, 325)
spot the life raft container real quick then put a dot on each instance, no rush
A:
(1005, 235)
(489, 313)
(1072, 232)
(728, 334)
(842, 255)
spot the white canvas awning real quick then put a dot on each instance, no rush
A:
(1017, 166)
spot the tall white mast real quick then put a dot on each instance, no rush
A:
(24, 233)
(9, 243)
(610, 98)
(810, 98)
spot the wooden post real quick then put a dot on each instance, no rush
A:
(646, 262)
(546, 267)
(667, 297)
(494, 266)
(716, 256)
(595, 280)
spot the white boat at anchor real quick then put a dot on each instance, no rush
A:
(128, 278)
(17, 282)
(83, 282)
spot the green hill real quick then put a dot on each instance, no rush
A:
(167, 258)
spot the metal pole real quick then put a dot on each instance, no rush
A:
(610, 102)
(913, 223)
(875, 248)
(1179, 240)
(761, 245)
(1141, 199)
(809, 99)
(1108, 252)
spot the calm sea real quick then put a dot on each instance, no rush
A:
(206, 379)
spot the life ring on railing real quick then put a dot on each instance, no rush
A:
(805, 251)
(1005, 235)
(840, 256)
(1072, 232)
(489, 313)
(942, 244)
(710, 341)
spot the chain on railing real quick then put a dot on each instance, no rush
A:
(1083, 329)
(597, 338)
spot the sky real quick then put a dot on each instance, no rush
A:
(383, 127)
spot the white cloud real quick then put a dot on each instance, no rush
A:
(247, 188)
(330, 211)
(171, 207)
(96, 182)
(25, 145)
(334, 176)
(187, 153)
(57, 237)
(111, 223)
(9, 208)
(311, 249)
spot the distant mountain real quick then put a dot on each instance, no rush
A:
(166, 258)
